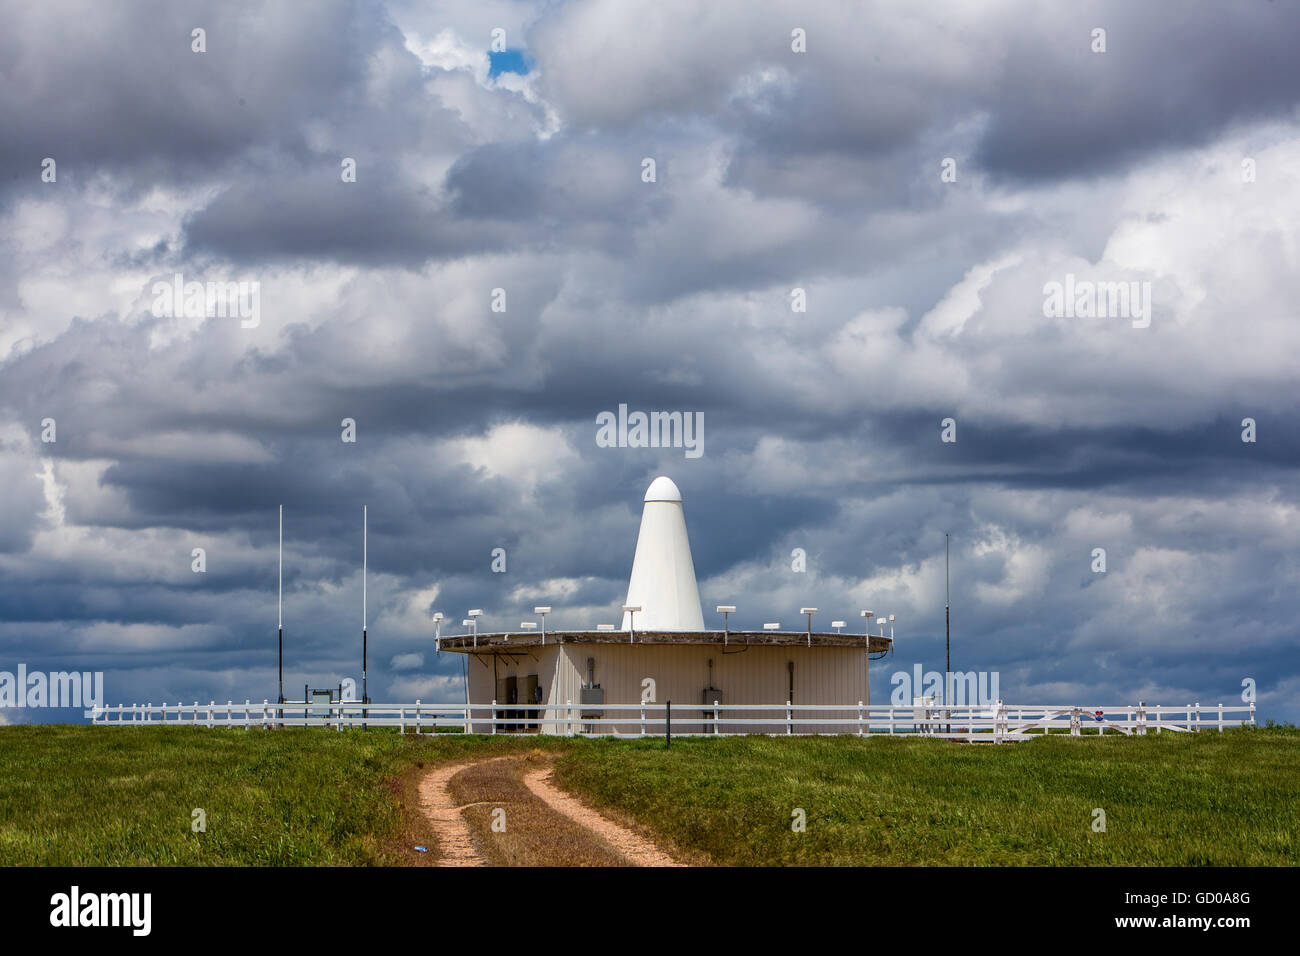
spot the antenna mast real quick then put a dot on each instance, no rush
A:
(365, 694)
(279, 604)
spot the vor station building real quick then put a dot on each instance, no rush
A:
(663, 649)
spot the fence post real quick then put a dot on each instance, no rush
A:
(859, 718)
(1157, 718)
(494, 715)
(1141, 716)
(246, 706)
(789, 718)
(417, 717)
(668, 724)
(230, 713)
(1198, 716)
(891, 721)
(1220, 716)
(568, 712)
(265, 709)
(1252, 713)
(148, 714)
(643, 718)
(1074, 722)
(715, 718)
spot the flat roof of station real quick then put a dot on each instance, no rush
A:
(511, 640)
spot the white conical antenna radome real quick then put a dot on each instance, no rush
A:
(663, 575)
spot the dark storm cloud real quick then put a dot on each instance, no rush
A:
(559, 181)
(476, 428)
(1170, 78)
(117, 88)
(1018, 85)
(375, 221)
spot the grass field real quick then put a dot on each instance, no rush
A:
(1172, 799)
(77, 796)
(98, 796)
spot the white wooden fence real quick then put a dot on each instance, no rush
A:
(989, 723)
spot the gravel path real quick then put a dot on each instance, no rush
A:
(637, 849)
(455, 844)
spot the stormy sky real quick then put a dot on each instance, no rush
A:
(922, 172)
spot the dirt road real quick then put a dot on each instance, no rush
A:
(508, 811)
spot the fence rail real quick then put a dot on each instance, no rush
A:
(993, 723)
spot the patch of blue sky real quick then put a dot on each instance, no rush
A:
(509, 61)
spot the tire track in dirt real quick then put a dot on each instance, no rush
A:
(637, 849)
(455, 841)
(455, 837)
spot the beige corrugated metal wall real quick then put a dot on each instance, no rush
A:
(760, 675)
(535, 660)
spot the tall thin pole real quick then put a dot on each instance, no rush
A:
(279, 604)
(947, 626)
(365, 694)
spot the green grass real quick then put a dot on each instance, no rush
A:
(105, 796)
(77, 796)
(1172, 799)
